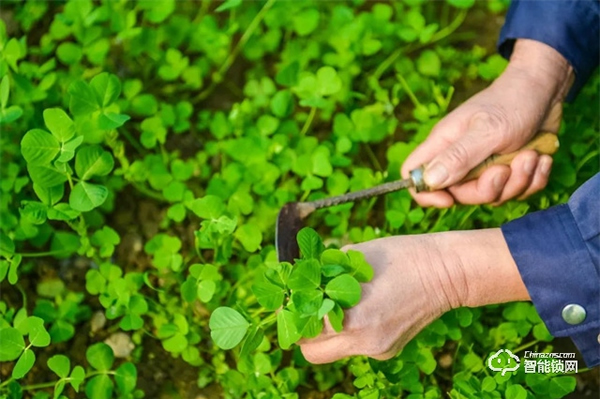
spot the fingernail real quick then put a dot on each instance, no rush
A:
(529, 166)
(546, 165)
(435, 175)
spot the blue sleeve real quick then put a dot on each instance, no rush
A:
(569, 26)
(557, 252)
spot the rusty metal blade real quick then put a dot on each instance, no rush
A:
(289, 223)
(291, 216)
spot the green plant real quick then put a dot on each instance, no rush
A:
(323, 282)
(146, 148)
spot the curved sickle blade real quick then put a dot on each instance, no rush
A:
(289, 223)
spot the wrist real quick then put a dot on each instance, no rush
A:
(543, 67)
(481, 269)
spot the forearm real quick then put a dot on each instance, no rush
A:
(543, 67)
(569, 27)
(481, 269)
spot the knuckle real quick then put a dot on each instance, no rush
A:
(489, 120)
(457, 154)
(491, 197)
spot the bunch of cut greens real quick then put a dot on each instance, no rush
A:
(322, 282)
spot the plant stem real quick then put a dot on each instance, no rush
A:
(40, 254)
(219, 75)
(467, 215)
(6, 382)
(134, 143)
(268, 320)
(245, 37)
(23, 294)
(70, 180)
(525, 346)
(202, 11)
(591, 155)
(583, 370)
(39, 386)
(53, 383)
(373, 158)
(389, 61)
(408, 91)
(308, 121)
(152, 194)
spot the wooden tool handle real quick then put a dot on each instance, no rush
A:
(543, 143)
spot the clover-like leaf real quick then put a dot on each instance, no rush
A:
(306, 275)
(83, 99)
(7, 245)
(99, 387)
(4, 91)
(344, 289)
(361, 269)
(46, 176)
(250, 236)
(287, 331)
(306, 21)
(12, 344)
(60, 364)
(126, 377)
(24, 364)
(38, 336)
(208, 207)
(67, 150)
(100, 356)
(336, 317)
(87, 196)
(77, 377)
(252, 341)
(106, 88)
(93, 161)
(206, 290)
(49, 195)
(270, 296)
(39, 147)
(307, 302)
(227, 327)
(59, 123)
(328, 80)
(310, 243)
(326, 307)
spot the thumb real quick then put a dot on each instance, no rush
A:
(454, 163)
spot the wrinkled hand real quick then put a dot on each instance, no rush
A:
(417, 278)
(525, 99)
(402, 298)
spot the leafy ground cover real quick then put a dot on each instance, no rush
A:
(146, 147)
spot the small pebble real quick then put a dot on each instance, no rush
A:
(445, 360)
(121, 344)
(98, 321)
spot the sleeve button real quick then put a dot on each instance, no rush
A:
(573, 314)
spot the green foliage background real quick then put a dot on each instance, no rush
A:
(146, 147)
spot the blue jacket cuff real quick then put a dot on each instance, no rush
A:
(570, 27)
(558, 270)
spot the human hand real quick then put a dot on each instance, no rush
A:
(525, 99)
(417, 278)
